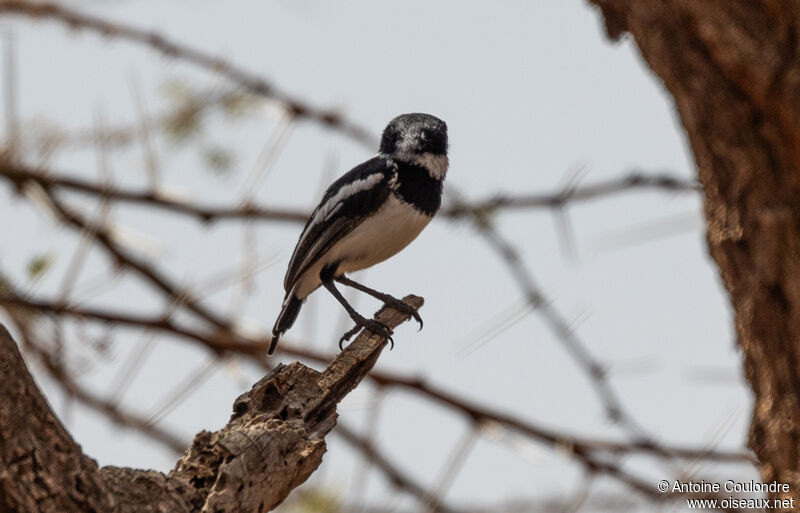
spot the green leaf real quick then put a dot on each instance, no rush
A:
(184, 122)
(237, 104)
(218, 159)
(39, 265)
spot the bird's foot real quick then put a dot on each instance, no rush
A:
(376, 327)
(402, 306)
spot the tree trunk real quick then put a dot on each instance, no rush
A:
(733, 68)
(272, 443)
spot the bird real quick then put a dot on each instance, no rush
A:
(366, 216)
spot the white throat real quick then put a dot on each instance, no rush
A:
(435, 164)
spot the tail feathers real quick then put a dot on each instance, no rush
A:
(289, 311)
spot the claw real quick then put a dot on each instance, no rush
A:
(347, 336)
(376, 327)
(417, 318)
(399, 304)
(380, 328)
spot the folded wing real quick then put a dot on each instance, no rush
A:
(346, 203)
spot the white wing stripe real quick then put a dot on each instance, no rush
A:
(333, 211)
(330, 207)
(347, 191)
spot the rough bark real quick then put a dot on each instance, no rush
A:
(732, 67)
(272, 443)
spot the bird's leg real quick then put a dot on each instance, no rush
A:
(390, 301)
(361, 322)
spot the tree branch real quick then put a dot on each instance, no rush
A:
(245, 79)
(556, 439)
(272, 443)
(41, 467)
(19, 175)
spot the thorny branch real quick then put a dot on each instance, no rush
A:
(176, 121)
(254, 349)
(20, 175)
(243, 78)
(634, 180)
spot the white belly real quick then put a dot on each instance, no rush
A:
(381, 236)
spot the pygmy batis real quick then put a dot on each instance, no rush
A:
(366, 216)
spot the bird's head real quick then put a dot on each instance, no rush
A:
(411, 137)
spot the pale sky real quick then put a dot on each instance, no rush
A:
(532, 92)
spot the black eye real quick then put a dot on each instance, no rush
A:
(424, 135)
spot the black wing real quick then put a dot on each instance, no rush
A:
(351, 198)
